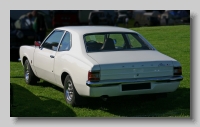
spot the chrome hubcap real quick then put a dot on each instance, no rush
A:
(26, 73)
(69, 91)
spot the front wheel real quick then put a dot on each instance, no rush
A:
(29, 76)
(70, 93)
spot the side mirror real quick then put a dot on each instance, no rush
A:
(37, 43)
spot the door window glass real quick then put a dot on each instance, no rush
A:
(65, 43)
(53, 40)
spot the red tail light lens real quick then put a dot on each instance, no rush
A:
(177, 71)
(93, 76)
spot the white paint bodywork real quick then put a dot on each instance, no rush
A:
(114, 65)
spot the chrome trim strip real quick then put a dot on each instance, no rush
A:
(105, 83)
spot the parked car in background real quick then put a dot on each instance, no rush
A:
(100, 61)
(184, 16)
(65, 18)
(83, 16)
(130, 14)
(111, 16)
(97, 17)
(147, 19)
(175, 17)
(122, 15)
(102, 17)
(126, 18)
(137, 12)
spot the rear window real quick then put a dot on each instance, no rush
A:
(100, 42)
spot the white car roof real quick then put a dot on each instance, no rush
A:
(94, 29)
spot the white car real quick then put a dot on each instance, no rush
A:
(99, 61)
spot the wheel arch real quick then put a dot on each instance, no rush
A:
(63, 76)
(24, 59)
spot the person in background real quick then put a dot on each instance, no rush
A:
(24, 22)
(39, 26)
(126, 21)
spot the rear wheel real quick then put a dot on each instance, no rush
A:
(29, 76)
(70, 93)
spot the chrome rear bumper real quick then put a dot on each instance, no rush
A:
(105, 83)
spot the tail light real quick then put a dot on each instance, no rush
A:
(93, 76)
(177, 71)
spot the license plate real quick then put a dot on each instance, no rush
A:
(140, 86)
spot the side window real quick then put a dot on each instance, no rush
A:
(65, 43)
(53, 40)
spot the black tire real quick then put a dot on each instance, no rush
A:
(70, 94)
(29, 75)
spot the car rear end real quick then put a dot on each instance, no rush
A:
(115, 79)
(131, 71)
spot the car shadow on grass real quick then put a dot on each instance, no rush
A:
(173, 104)
(16, 76)
(25, 104)
(176, 103)
(47, 84)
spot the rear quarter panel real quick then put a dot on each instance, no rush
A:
(77, 67)
(76, 63)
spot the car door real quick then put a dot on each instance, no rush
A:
(60, 61)
(45, 54)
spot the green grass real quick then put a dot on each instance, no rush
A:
(46, 100)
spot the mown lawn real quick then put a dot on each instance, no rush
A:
(46, 100)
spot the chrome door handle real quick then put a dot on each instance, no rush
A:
(51, 56)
